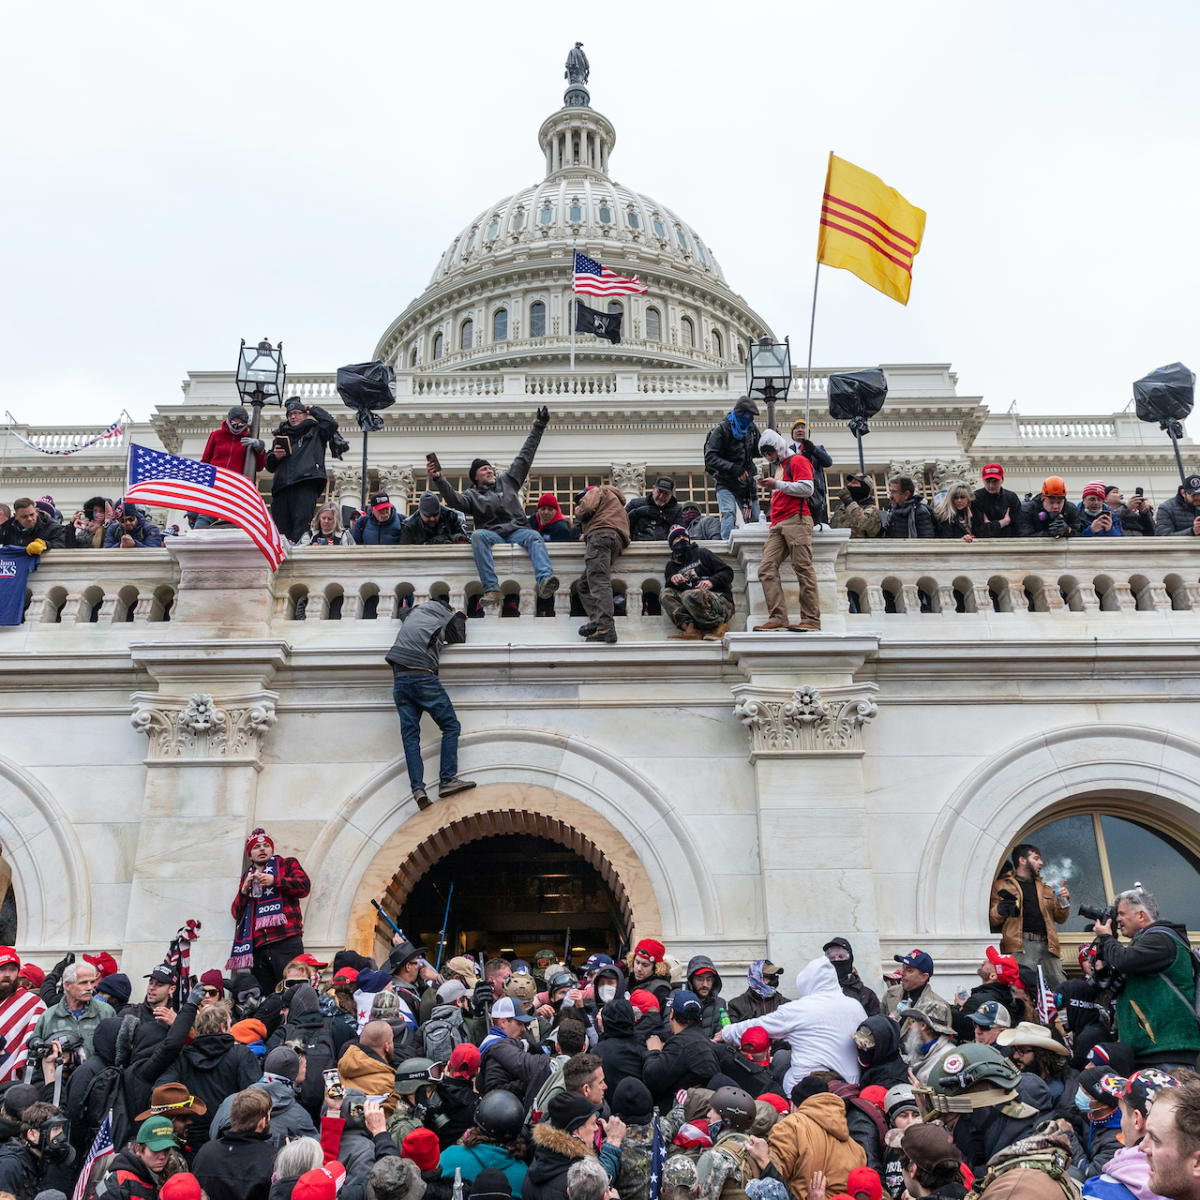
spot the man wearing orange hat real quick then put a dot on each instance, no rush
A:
(270, 930)
(1049, 514)
(997, 506)
(20, 1009)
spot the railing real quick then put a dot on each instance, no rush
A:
(1062, 429)
(53, 437)
(458, 384)
(102, 587)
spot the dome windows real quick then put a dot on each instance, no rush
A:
(537, 319)
(700, 252)
(466, 334)
(681, 238)
(437, 346)
(653, 325)
(500, 325)
(660, 230)
(717, 344)
(468, 243)
(546, 216)
(575, 213)
(493, 230)
(632, 219)
(518, 221)
(412, 357)
(604, 214)
(687, 332)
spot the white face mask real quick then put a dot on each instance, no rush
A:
(607, 992)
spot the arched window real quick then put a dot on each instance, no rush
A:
(1102, 850)
(437, 346)
(653, 325)
(604, 214)
(687, 331)
(518, 221)
(717, 344)
(741, 353)
(659, 228)
(700, 252)
(493, 230)
(500, 325)
(412, 357)
(537, 319)
(615, 306)
(575, 214)
(469, 242)
(632, 219)
(681, 238)
(546, 216)
(466, 334)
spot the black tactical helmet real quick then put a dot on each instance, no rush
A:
(735, 1107)
(562, 978)
(500, 1115)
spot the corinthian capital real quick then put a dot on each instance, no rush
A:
(790, 723)
(199, 729)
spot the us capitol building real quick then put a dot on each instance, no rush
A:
(743, 798)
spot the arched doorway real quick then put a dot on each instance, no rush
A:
(509, 894)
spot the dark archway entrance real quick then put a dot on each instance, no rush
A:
(514, 893)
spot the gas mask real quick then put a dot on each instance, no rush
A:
(54, 1141)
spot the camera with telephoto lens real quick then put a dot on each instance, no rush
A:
(70, 1043)
(1106, 916)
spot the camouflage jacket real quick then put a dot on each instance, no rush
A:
(726, 1168)
(633, 1180)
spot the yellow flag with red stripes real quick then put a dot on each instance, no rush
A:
(868, 228)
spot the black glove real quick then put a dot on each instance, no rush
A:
(543, 417)
(483, 997)
(1006, 905)
(196, 995)
(1058, 527)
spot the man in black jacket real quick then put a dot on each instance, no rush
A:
(238, 1164)
(160, 984)
(619, 1048)
(1049, 514)
(298, 466)
(697, 594)
(689, 1059)
(729, 453)
(41, 1144)
(841, 954)
(909, 516)
(651, 516)
(504, 1059)
(997, 507)
(433, 524)
(32, 528)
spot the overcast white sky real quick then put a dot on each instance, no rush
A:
(179, 180)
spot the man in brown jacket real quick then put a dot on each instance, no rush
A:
(1024, 909)
(601, 513)
(814, 1137)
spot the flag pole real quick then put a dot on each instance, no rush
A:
(571, 308)
(812, 324)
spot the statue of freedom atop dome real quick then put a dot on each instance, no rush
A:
(577, 65)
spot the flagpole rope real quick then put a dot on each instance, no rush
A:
(812, 324)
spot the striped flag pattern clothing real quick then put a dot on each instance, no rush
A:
(18, 1016)
(596, 280)
(156, 477)
(869, 229)
(102, 1147)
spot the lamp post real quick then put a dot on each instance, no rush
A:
(261, 373)
(769, 373)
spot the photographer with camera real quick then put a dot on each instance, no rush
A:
(78, 1011)
(1024, 910)
(1155, 1013)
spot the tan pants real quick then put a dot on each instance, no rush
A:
(793, 536)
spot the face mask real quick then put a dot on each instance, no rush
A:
(1083, 1102)
(58, 1151)
(843, 967)
(607, 992)
(679, 552)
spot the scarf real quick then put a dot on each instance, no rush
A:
(758, 985)
(261, 912)
(740, 422)
(906, 511)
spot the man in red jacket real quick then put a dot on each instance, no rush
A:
(226, 447)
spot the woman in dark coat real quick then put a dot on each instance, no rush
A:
(299, 470)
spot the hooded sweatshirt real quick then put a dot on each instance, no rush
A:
(620, 1049)
(882, 1065)
(713, 1014)
(818, 1025)
(1126, 1177)
(816, 1138)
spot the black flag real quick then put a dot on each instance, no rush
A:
(605, 325)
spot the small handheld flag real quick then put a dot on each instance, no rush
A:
(869, 229)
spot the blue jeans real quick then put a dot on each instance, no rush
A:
(729, 505)
(482, 541)
(417, 692)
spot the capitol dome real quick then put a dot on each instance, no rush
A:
(500, 293)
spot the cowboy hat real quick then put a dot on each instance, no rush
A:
(1027, 1033)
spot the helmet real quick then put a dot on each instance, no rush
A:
(735, 1106)
(1054, 486)
(415, 1073)
(500, 1115)
(969, 1077)
(562, 978)
(898, 1097)
(680, 1172)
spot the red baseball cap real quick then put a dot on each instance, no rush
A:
(9, 955)
(650, 949)
(309, 961)
(864, 1183)
(346, 975)
(464, 1061)
(322, 1184)
(183, 1186)
(33, 973)
(421, 1146)
(992, 471)
(776, 1101)
(644, 1001)
(755, 1038)
(104, 963)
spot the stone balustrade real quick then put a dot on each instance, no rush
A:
(861, 582)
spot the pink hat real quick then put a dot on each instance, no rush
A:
(1095, 488)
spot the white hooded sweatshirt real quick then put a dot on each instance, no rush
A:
(819, 1024)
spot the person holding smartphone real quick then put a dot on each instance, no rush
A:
(297, 462)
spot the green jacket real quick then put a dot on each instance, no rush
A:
(1151, 1018)
(58, 1020)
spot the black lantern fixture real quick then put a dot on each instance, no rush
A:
(261, 375)
(856, 396)
(1166, 396)
(769, 373)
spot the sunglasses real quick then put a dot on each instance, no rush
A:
(211, 992)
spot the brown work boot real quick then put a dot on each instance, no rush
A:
(715, 635)
(770, 625)
(491, 600)
(687, 633)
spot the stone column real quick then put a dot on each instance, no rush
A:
(397, 481)
(345, 486)
(806, 747)
(630, 477)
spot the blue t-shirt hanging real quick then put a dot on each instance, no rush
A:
(15, 566)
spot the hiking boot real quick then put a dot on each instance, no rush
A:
(804, 629)
(490, 600)
(588, 629)
(768, 626)
(547, 587)
(421, 796)
(715, 635)
(687, 633)
(603, 635)
(449, 787)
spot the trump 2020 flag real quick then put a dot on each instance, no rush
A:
(602, 324)
(156, 477)
(869, 229)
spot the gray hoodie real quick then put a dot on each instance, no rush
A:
(288, 1119)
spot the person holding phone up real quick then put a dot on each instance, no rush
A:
(296, 459)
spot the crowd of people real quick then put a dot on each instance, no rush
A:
(633, 1078)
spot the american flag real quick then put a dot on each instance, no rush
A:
(658, 1159)
(1047, 1009)
(595, 280)
(102, 1147)
(18, 1016)
(159, 478)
